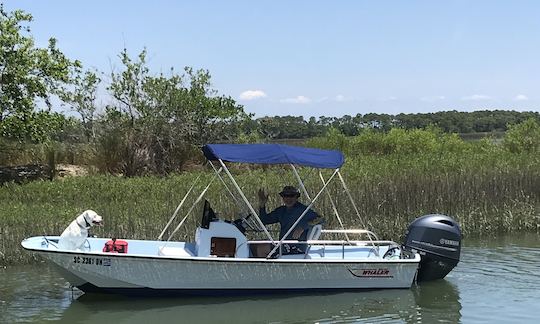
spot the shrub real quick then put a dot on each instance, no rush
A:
(333, 140)
(523, 137)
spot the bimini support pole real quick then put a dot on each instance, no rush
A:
(351, 199)
(178, 208)
(334, 207)
(302, 215)
(227, 187)
(194, 204)
(356, 210)
(245, 200)
(300, 182)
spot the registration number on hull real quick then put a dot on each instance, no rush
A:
(106, 262)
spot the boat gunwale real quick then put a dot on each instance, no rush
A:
(220, 259)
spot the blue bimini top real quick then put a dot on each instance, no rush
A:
(274, 154)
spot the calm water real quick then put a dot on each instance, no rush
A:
(496, 282)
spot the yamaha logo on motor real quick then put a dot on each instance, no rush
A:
(449, 242)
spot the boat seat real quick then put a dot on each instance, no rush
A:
(314, 232)
(174, 251)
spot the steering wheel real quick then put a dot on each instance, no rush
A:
(391, 253)
(247, 222)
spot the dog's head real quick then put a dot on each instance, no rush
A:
(92, 218)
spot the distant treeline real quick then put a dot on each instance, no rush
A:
(285, 127)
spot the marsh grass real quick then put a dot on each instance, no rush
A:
(487, 192)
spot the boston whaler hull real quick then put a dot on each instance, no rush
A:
(137, 274)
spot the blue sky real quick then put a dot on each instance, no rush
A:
(316, 58)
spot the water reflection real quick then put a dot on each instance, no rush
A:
(430, 302)
(32, 294)
(375, 306)
(437, 301)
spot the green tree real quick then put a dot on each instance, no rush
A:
(82, 99)
(270, 128)
(38, 127)
(523, 137)
(348, 126)
(26, 74)
(161, 118)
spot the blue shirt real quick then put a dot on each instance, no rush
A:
(287, 217)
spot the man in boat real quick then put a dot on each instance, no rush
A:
(286, 216)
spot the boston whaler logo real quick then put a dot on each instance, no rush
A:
(371, 273)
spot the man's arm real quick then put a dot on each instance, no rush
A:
(314, 218)
(266, 218)
(271, 218)
(302, 229)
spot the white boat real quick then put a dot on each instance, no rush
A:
(222, 260)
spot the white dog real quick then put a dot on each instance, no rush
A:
(75, 234)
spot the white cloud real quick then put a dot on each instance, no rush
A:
(521, 97)
(252, 95)
(342, 98)
(323, 99)
(476, 97)
(297, 100)
(391, 98)
(432, 98)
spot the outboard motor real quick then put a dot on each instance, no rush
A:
(437, 238)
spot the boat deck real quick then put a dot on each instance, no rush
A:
(316, 250)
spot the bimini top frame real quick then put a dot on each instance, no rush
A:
(271, 154)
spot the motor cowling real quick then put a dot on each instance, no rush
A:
(437, 238)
